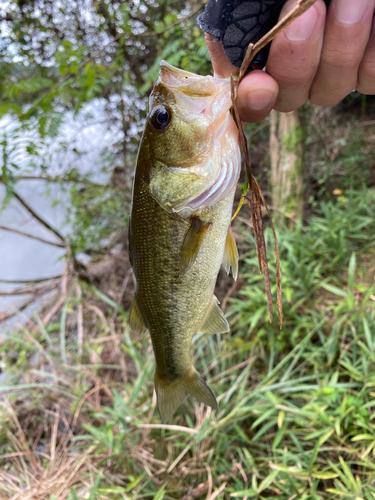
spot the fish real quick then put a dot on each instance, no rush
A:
(187, 170)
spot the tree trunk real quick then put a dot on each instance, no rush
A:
(287, 147)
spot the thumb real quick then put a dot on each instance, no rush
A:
(223, 68)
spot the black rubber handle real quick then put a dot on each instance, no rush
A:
(236, 23)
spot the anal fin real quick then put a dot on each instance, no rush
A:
(230, 259)
(192, 243)
(214, 322)
(135, 319)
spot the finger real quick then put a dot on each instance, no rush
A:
(257, 94)
(295, 54)
(366, 74)
(223, 68)
(346, 35)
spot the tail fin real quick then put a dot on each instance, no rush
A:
(171, 394)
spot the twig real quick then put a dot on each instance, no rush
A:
(79, 320)
(40, 280)
(230, 292)
(254, 202)
(367, 123)
(121, 294)
(47, 318)
(179, 428)
(253, 49)
(180, 456)
(28, 235)
(85, 397)
(5, 316)
(278, 269)
(58, 179)
(27, 291)
(37, 217)
(202, 488)
(256, 193)
(217, 492)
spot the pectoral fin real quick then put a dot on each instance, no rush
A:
(173, 188)
(192, 243)
(135, 319)
(214, 322)
(230, 259)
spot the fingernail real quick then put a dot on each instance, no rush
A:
(350, 11)
(303, 27)
(259, 99)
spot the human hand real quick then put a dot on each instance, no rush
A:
(322, 56)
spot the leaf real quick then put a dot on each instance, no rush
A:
(363, 437)
(334, 289)
(267, 481)
(160, 494)
(324, 475)
(351, 272)
(109, 301)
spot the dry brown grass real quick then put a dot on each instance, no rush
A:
(36, 471)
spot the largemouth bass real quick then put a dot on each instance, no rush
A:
(187, 170)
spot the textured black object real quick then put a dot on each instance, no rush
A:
(236, 23)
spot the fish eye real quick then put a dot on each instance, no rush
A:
(161, 117)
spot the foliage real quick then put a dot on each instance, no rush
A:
(339, 153)
(78, 416)
(99, 215)
(295, 416)
(57, 57)
(57, 62)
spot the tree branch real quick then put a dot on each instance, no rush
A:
(29, 290)
(37, 217)
(32, 281)
(5, 316)
(57, 179)
(10, 229)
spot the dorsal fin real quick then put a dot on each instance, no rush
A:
(135, 318)
(214, 322)
(230, 259)
(192, 243)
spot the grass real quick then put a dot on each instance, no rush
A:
(296, 407)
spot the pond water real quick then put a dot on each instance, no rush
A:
(23, 258)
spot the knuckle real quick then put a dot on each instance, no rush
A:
(340, 59)
(296, 76)
(293, 68)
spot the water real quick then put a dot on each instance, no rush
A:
(23, 258)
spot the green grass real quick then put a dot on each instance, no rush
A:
(296, 407)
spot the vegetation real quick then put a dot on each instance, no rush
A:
(78, 417)
(295, 410)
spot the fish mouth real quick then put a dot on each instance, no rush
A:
(189, 83)
(168, 71)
